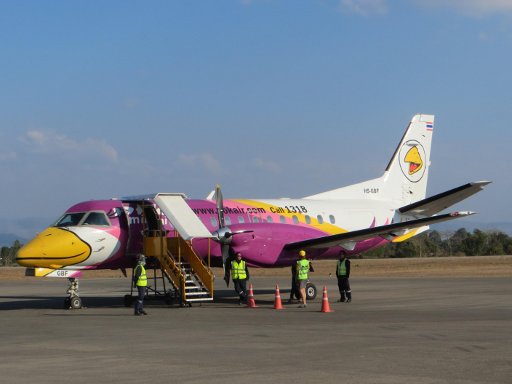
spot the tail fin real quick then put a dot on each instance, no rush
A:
(405, 178)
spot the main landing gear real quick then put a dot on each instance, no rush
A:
(73, 301)
(310, 291)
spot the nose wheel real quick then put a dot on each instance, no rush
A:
(73, 301)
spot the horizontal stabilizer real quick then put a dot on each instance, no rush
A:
(441, 201)
(385, 231)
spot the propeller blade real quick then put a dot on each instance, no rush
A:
(220, 206)
(225, 257)
(239, 232)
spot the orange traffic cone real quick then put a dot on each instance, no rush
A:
(325, 302)
(277, 301)
(250, 298)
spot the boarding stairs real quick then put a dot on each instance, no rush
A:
(188, 274)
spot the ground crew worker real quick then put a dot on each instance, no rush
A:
(240, 275)
(140, 281)
(303, 267)
(294, 291)
(343, 273)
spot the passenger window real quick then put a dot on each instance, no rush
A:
(332, 219)
(241, 220)
(282, 219)
(227, 219)
(295, 219)
(255, 219)
(308, 219)
(320, 219)
(213, 221)
(96, 218)
(269, 219)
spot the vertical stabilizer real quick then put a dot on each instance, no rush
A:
(405, 178)
(406, 175)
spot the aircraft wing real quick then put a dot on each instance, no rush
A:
(441, 201)
(385, 231)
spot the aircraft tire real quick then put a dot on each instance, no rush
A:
(67, 303)
(169, 299)
(76, 302)
(128, 300)
(310, 291)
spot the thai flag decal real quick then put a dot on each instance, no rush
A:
(430, 126)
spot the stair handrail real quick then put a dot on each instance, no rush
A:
(173, 271)
(197, 266)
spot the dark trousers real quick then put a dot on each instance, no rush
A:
(139, 304)
(344, 288)
(241, 288)
(295, 290)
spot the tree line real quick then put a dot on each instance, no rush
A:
(428, 244)
(456, 243)
(8, 254)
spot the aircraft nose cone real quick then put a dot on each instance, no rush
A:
(53, 248)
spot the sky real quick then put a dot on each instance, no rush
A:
(268, 98)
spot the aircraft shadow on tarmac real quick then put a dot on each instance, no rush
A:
(222, 296)
(32, 302)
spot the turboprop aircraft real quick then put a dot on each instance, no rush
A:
(108, 234)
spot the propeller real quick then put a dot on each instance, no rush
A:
(220, 206)
(224, 234)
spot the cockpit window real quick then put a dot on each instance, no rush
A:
(83, 218)
(96, 218)
(70, 219)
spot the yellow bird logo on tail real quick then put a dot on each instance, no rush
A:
(414, 159)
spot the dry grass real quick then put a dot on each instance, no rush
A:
(476, 266)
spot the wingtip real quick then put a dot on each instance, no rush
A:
(462, 213)
(482, 183)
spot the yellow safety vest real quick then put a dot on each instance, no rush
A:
(302, 269)
(143, 280)
(342, 268)
(238, 270)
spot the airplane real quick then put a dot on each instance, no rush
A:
(108, 234)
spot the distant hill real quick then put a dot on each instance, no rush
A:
(471, 226)
(7, 239)
(20, 229)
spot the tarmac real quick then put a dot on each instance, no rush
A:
(396, 330)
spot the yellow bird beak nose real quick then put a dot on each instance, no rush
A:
(53, 248)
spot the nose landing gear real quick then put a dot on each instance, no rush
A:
(73, 301)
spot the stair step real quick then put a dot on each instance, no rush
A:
(197, 300)
(196, 293)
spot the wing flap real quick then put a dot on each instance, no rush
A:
(441, 201)
(388, 232)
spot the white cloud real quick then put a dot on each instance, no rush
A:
(58, 144)
(473, 7)
(364, 7)
(205, 161)
(8, 155)
(103, 147)
(266, 165)
(131, 103)
(483, 36)
(470, 7)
